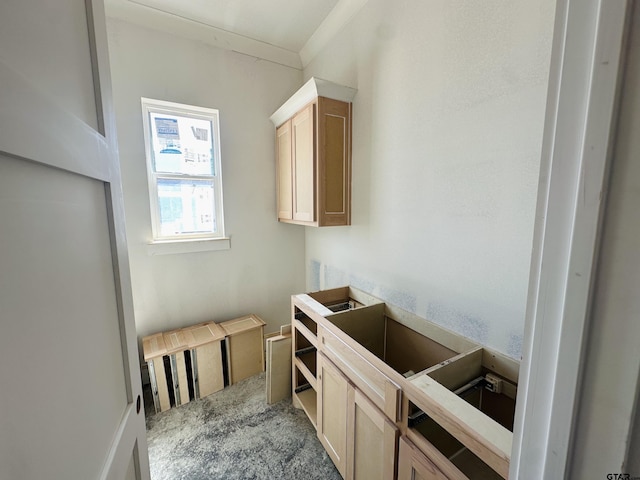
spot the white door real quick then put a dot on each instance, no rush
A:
(70, 389)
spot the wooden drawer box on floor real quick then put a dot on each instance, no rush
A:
(184, 364)
(245, 347)
(204, 342)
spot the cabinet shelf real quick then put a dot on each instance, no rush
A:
(308, 400)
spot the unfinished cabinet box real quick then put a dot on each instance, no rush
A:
(313, 155)
(358, 437)
(154, 351)
(244, 346)
(460, 416)
(304, 337)
(204, 342)
(355, 361)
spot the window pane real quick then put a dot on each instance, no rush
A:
(182, 144)
(186, 207)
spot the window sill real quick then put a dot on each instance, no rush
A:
(170, 247)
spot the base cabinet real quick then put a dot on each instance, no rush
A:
(358, 437)
(354, 363)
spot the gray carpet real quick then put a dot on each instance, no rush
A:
(234, 434)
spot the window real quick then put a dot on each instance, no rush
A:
(182, 145)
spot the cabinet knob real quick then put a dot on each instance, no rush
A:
(138, 404)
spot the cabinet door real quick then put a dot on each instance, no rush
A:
(414, 465)
(285, 171)
(372, 442)
(335, 395)
(304, 171)
(334, 162)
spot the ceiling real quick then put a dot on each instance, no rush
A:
(287, 24)
(284, 31)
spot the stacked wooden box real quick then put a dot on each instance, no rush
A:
(196, 361)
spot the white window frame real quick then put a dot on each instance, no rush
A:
(150, 106)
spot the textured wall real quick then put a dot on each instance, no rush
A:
(447, 135)
(265, 264)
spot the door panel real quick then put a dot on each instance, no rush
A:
(68, 348)
(63, 68)
(59, 302)
(373, 454)
(334, 396)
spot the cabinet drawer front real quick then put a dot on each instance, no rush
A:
(382, 391)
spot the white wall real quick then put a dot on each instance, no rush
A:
(447, 135)
(265, 264)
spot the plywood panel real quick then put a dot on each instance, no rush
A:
(407, 350)
(209, 372)
(278, 368)
(365, 325)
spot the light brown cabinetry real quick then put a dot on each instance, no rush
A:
(355, 361)
(187, 363)
(313, 161)
(358, 437)
(334, 396)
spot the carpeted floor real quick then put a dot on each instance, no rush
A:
(234, 434)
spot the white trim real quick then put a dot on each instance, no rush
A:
(581, 102)
(188, 246)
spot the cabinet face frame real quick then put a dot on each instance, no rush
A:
(303, 158)
(284, 168)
